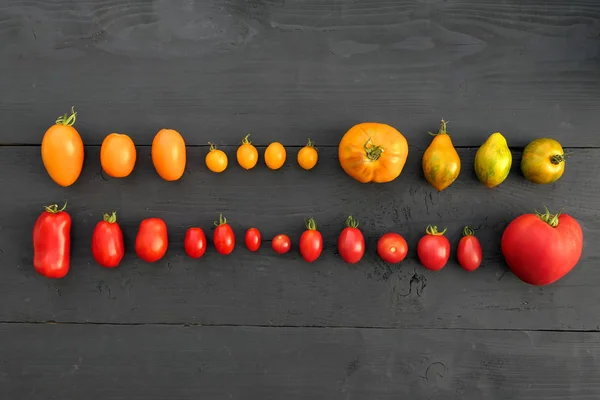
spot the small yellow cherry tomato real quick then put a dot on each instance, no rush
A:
(275, 155)
(216, 160)
(247, 155)
(307, 156)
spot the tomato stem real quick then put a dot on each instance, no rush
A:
(53, 209)
(111, 218)
(351, 222)
(468, 231)
(222, 220)
(213, 146)
(311, 224)
(310, 143)
(443, 129)
(549, 218)
(433, 230)
(557, 159)
(373, 151)
(67, 120)
(245, 140)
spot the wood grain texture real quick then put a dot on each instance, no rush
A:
(216, 70)
(174, 362)
(264, 289)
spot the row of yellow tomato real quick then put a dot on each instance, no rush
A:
(62, 154)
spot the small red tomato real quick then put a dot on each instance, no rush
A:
(253, 239)
(311, 242)
(281, 244)
(351, 243)
(107, 242)
(469, 250)
(152, 241)
(434, 249)
(223, 237)
(52, 242)
(194, 242)
(392, 248)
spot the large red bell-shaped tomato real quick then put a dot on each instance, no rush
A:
(542, 248)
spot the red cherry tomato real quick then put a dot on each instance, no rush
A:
(223, 237)
(469, 250)
(281, 244)
(52, 242)
(194, 242)
(107, 242)
(351, 243)
(253, 239)
(152, 241)
(311, 242)
(392, 248)
(434, 249)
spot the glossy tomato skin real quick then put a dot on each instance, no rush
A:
(275, 155)
(281, 244)
(117, 155)
(351, 242)
(392, 248)
(194, 242)
(469, 251)
(311, 242)
(433, 249)
(107, 242)
(223, 237)
(52, 243)
(169, 154)
(308, 156)
(152, 242)
(253, 239)
(538, 253)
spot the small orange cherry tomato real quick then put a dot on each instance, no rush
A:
(275, 155)
(62, 150)
(169, 154)
(117, 155)
(247, 155)
(307, 156)
(216, 160)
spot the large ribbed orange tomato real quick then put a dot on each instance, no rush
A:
(373, 152)
(169, 154)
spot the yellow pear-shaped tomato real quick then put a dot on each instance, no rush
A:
(543, 161)
(169, 154)
(441, 163)
(62, 151)
(373, 152)
(493, 160)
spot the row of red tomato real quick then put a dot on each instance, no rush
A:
(52, 230)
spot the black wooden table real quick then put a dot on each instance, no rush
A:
(262, 326)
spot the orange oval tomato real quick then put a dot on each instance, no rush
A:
(308, 156)
(373, 152)
(216, 160)
(247, 155)
(62, 150)
(441, 163)
(275, 155)
(169, 154)
(117, 155)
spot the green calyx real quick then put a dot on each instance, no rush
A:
(222, 220)
(373, 152)
(213, 146)
(468, 231)
(111, 218)
(548, 217)
(67, 120)
(351, 222)
(557, 159)
(53, 209)
(433, 230)
(443, 129)
(310, 143)
(311, 225)
(245, 140)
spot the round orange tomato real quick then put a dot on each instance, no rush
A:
(117, 155)
(275, 155)
(216, 160)
(308, 156)
(247, 155)
(62, 151)
(373, 152)
(169, 154)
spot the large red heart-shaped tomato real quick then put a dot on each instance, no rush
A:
(542, 248)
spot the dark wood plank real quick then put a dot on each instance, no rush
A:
(174, 362)
(265, 289)
(287, 70)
